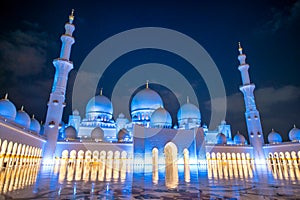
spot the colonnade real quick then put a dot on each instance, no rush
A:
(221, 165)
(283, 158)
(93, 166)
(285, 165)
(228, 158)
(17, 154)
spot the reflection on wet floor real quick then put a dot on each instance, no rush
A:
(14, 178)
(223, 170)
(104, 170)
(285, 172)
(113, 178)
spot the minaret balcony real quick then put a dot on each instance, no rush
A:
(62, 59)
(67, 38)
(247, 86)
(55, 102)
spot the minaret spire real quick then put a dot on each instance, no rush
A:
(56, 102)
(240, 48)
(252, 115)
(243, 66)
(71, 17)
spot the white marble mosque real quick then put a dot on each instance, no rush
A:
(148, 138)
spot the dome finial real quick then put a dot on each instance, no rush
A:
(273, 130)
(238, 132)
(6, 96)
(187, 99)
(240, 48)
(32, 116)
(71, 17)
(22, 108)
(101, 91)
(147, 84)
(295, 126)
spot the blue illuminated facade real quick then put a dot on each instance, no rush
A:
(149, 132)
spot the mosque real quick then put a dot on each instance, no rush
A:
(147, 138)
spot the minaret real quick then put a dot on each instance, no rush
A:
(252, 115)
(56, 102)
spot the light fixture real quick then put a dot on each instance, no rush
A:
(55, 102)
(51, 124)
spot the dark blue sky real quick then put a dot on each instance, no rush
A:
(269, 32)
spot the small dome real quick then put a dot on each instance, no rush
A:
(42, 131)
(70, 133)
(99, 107)
(75, 112)
(7, 109)
(294, 134)
(35, 125)
(274, 137)
(189, 113)
(23, 118)
(123, 135)
(223, 122)
(121, 115)
(221, 138)
(161, 118)
(239, 139)
(97, 134)
(146, 99)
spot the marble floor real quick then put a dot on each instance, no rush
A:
(213, 181)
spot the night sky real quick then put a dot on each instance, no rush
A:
(268, 30)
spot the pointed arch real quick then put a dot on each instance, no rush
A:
(155, 158)
(171, 152)
(186, 156)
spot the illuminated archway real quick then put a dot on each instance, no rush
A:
(109, 165)
(72, 159)
(154, 156)
(8, 153)
(171, 152)
(95, 157)
(186, 161)
(18, 154)
(116, 164)
(123, 165)
(13, 155)
(155, 165)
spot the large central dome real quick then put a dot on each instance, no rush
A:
(144, 103)
(146, 99)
